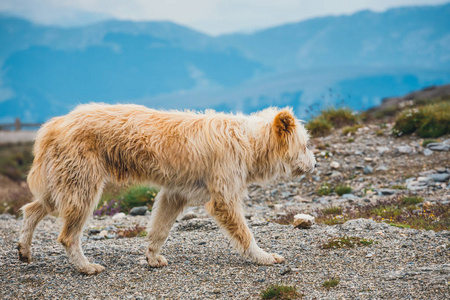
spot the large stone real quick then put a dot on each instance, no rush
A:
(303, 221)
(439, 177)
(438, 147)
(118, 216)
(138, 211)
(404, 149)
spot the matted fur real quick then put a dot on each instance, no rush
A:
(196, 158)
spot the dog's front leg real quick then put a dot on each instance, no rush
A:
(164, 213)
(230, 217)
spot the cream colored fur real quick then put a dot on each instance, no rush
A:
(196, 158)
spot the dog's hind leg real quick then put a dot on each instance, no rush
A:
(33, 213)
(231, 219)
(164, 213)
(77, 209)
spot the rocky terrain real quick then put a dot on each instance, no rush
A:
(399, 263)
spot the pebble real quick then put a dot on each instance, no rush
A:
(368, 170)
(335, 165)
(139, 210)
(404, 149)
(118, 216)
(285, 270)
(427, 152)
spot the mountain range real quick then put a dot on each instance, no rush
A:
(353, 60)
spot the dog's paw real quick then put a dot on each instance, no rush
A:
(92, 269)
(24, 254)
(156, 261)
(278, 258)
(270, 259)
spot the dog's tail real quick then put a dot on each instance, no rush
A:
(36, 178)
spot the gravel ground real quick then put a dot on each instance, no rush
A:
(401, 264)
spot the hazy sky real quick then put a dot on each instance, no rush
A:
(210, 16)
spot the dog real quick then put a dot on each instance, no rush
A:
(195, 158)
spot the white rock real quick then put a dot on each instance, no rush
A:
(278, 207)
(335, 165)
(427, 152)
(404, 149)
(118, 216)
(303, 221)
(382, 149)
(103, 233)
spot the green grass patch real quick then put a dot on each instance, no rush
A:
(280, 292)
(346, 242)
(411, 200)
(330, 283)
(117, 199)
(342, 189)
(319, 127)
(324, 189)
(332, 118)
(398, 187)
(400, 225)
(379, 133)
(351, 129)
(333, 210)
(428, 121)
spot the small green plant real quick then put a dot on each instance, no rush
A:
(331, 282)
(342, 189)
(324, 189)
(398, 187)
(351, 129)
(429, 121)
(319, 127)
(340, 117)
(400, 225)
(136, 231)
(412, 200)
(350, 140)
(280, 292)
(138, 196)
(346, 242)
(379, 133)
(332, 210)
(426, 142)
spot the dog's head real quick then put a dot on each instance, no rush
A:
(292, 143)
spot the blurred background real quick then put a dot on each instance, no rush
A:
(225, 55)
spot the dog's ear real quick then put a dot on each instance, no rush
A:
(284, 124)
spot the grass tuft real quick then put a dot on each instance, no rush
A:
(342, 189)
(136, 231)
(346, 242)
(280, 292)
(429, 121)
(331, 282)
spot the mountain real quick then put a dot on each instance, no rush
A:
(408, 36)
(355, 60)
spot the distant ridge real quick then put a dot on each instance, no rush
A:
(355, 59)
